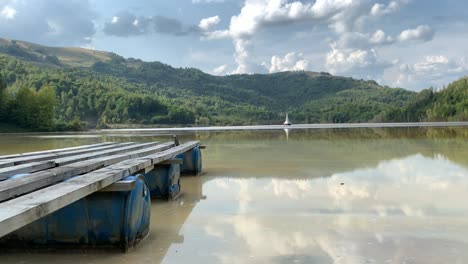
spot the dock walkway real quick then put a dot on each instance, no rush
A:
(60, 177)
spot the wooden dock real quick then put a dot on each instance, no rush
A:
(60, 177)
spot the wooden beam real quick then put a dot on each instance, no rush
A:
(23, 160)
(54, 151)
(171, 161)
(26, 168)
(120, 186)
(146, 170)
(21, 211)
(202, 147)
(15, 187)
(97, 154)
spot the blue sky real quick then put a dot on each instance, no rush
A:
(413, 44)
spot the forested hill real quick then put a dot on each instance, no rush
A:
(65, 88)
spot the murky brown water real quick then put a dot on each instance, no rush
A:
(316, 196)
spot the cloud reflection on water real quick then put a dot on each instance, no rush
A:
(402, 210)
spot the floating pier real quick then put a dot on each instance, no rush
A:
(89, 196)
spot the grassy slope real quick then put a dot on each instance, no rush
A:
(74, 57)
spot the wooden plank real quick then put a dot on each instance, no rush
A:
(173, 152)
(21, 211)
(15, 187)
(93, 155)
(25, 168)
(5, 164)
(24, 160)
(54, 151)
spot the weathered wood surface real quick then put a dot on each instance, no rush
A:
(120, 186)
(23, 210)
(4, 164)
(15, 187)
(25, 168)
(97, 154)
(53, 151)
(38, 166)
(52, 156)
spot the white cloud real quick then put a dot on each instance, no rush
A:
(344, 16)
(361, 62)
(221, 70)
(422, 32)
(258, 14)
(357, 40)
(217, 34)
(381, 9)
(379, 37)
(208, 23)
(434, 70)
(115, 19)
(290, 62)
(8, 12)
(242, 55)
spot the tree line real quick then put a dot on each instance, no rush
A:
(41, 97)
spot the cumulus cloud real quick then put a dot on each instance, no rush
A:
(127, 24)
(359, 62)
(256, 15)
(435, 70)
(208, 23)
(290, 62)
(357, 40)
(421, 33)
(381, 9)
(8, 12)
(341, 15)
(49, 22)
(379, 37)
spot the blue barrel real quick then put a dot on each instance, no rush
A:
(191, 162)
(114, 219)
(164, 181)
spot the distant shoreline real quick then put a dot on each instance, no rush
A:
(252, 127)
(298, 126)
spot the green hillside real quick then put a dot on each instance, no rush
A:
(74, 57)
(93, 88)
(449, 104)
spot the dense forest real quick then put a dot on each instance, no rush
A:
(46, 89)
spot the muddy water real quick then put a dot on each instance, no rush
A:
(306, 196)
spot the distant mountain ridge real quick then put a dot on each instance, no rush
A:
(104, 88)
(52, 56)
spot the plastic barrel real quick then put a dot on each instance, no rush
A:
(164, 181)
(191, 162)
(117, 219)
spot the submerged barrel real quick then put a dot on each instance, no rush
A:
(108, 219)
(191, 161)
(164, 181)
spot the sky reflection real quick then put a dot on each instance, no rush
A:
(408, 210)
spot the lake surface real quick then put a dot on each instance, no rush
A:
(355, 195)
